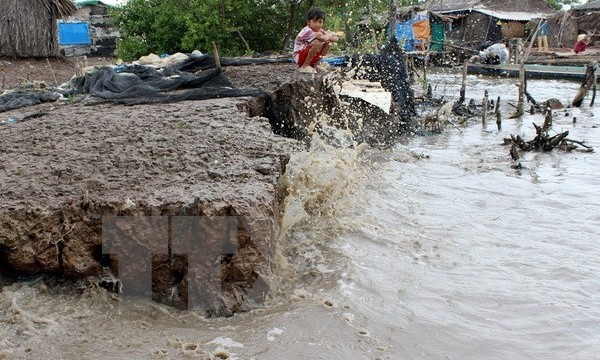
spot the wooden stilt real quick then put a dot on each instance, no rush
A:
(520, 103)
(594, 83)
(463, 87)
(547, 120)
(498, 115)
(425, 63)
(484, 107)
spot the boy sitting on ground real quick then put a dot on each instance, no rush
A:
(312, 42)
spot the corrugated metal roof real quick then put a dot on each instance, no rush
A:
(592, 5)
(451, 6)
(513, 16)
(510, 9)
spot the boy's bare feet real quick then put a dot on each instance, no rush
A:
(307, 69)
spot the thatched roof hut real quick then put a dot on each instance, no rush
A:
(29, 27)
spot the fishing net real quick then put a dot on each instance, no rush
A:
(389, 68)
(22, 98)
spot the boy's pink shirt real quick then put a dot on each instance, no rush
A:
(305, 36)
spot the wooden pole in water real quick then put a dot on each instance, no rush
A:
(590, 75)
(463, 88)
(520, 104)
(216, 55)
(594, 83)
(498, 115)
(484, 107)
(425, 63)
(547, 120)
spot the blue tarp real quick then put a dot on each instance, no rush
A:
(73, 33)
(405, 34)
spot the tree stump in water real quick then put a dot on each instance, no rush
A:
(543, 142)
(589, 81)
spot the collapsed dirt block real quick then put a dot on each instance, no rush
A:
(66, 175)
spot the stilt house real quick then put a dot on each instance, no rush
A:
(487, 21)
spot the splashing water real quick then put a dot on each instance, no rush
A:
(435, 249)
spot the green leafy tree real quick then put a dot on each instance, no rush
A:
(558, 4)
(237, 26)
(169, 26)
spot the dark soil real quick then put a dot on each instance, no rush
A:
(71, 165)
(54, 71)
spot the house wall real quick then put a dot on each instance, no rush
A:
(564, 28)
(102, 34)
(513, 29)
(480, 28)
(589, 22)
(562, 31)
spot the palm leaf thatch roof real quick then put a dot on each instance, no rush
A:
(29, 27)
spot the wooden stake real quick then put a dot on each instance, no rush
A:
(498, 115)
(77, 67)
(463, 87)
(216, 55)
(520, 102)
(594, 83)
(547, 120)
(484, 107)
(52, 71)
(425, 62)
(412, 69)
(497, 107)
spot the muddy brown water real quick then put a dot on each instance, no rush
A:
(435, 249)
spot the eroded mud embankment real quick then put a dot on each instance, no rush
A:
(63, 173)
